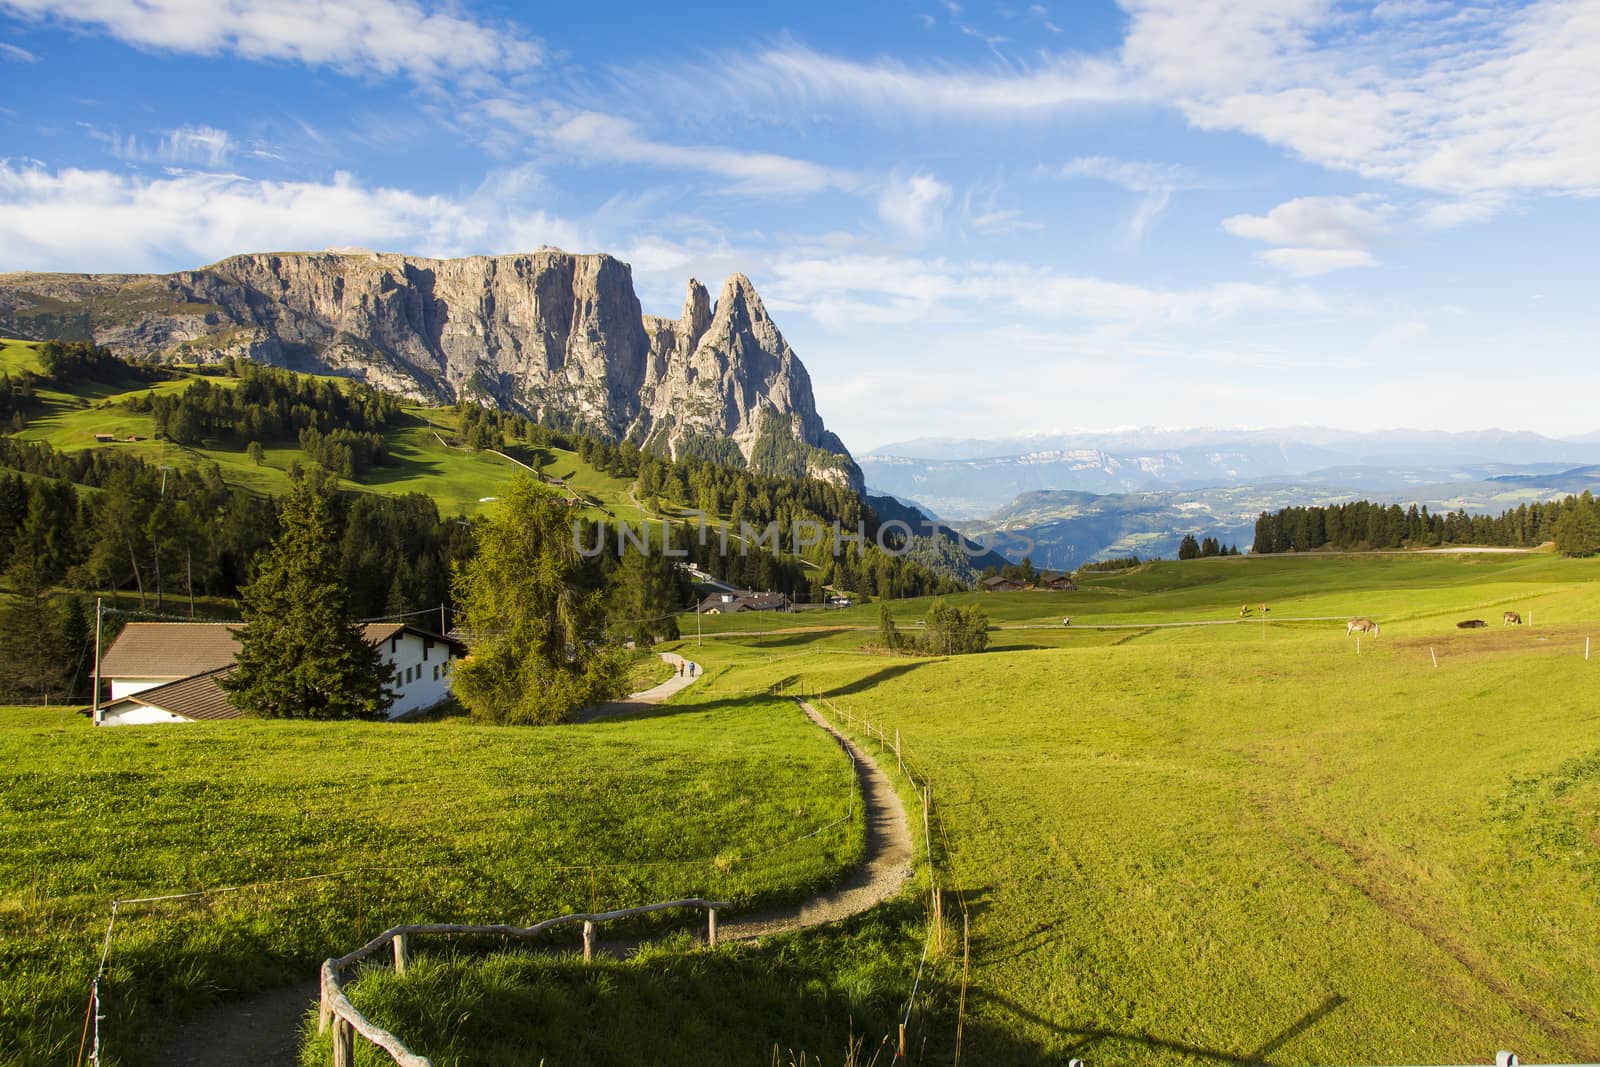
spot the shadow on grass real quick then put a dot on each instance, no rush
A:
(1100, 1043)
(867, 681)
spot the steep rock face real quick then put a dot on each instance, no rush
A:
(545, 332)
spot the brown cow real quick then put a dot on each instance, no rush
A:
(1361, 626)
(1471, 624)
(1265, 609)
(1512, 619)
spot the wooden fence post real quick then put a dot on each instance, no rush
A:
(711, 927)
(402, 953)
(588, 941)
(324, 1006)
(344, 1043)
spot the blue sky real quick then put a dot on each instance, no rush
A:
(970, 219)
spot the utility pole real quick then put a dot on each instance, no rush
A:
(95, 710)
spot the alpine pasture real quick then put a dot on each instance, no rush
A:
(1178, 835)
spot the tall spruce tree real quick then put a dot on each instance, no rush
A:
(644, 598)
(301, 655)
(534, 619)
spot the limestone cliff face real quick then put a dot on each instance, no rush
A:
(545, 332)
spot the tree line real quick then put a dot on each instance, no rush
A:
(1572, 523)
(1205, 547)
(268, 405)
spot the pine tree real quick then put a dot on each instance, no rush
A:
(537, 632)
(643, 599)
(1189, 548)
(888, 633)
(301, 654)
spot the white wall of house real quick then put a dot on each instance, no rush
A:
(137, 714)
(422, 674)
(126, 687)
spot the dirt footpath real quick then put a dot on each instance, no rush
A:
(885, 869)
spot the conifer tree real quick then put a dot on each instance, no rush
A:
(301, 654)
(536, 628)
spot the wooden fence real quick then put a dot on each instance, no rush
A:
(348, 1022)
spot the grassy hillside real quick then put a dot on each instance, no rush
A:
(421, 460)
(1246, 842)
(441, 821)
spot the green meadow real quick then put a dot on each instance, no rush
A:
(1248, 842)
(441, 821)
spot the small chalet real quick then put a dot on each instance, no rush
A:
(1062, 582)
(998, 584)
(732, 603)
(170, 671)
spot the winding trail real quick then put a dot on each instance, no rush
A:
(884, 870)
(263, 1030)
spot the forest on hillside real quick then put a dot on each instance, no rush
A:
(179, 542)
(1572, 524)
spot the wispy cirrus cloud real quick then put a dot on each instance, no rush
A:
(798, 76)
(198, 145)
(16, 54)
(383, 37)
(1156, 182)
(1478, 103)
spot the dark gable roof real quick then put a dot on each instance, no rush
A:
(378, 632)
(198, 698)
(181, 649)
(170, 649)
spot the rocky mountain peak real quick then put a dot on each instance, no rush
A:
(696, 314)
(546, 333)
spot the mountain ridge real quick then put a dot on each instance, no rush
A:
(547, 333)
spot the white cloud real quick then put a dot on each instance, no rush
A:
(597, 137)
(914, 205)
(1459, 100)
(385, 37)
(19, 55)
(1455, 100)
(1340, 222)
(1157, 181)
(1136, 175)
(1312, 261)
(799, 77)
(97, 220)
(1319, 234)
(197, 145)
(857, 289)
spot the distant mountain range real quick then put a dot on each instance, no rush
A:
(971, 479)
(1064, 528)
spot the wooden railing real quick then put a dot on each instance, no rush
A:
(347, 1021)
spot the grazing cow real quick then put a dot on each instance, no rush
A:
(1512, 619)
(1471, 624)
(1244, 611)
(1361, 626)
(1265, 609)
